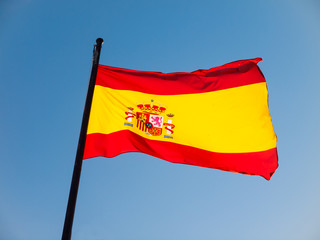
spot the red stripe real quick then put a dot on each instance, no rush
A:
(110, 145)
(235, 74)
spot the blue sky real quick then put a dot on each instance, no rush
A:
(45, 60)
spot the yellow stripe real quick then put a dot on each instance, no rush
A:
(234, 120)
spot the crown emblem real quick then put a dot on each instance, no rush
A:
(150, 118)
(151, 108)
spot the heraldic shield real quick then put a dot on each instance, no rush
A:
(151, 119)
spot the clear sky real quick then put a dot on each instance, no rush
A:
(45, 60)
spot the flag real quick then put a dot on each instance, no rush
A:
(217, 118)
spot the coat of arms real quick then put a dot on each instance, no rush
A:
(150, 118)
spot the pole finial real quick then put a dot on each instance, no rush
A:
(99, 41)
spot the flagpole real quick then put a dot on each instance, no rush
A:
(67, 228)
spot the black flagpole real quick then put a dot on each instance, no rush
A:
(67, 228)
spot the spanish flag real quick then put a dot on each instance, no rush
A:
(217, 118)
